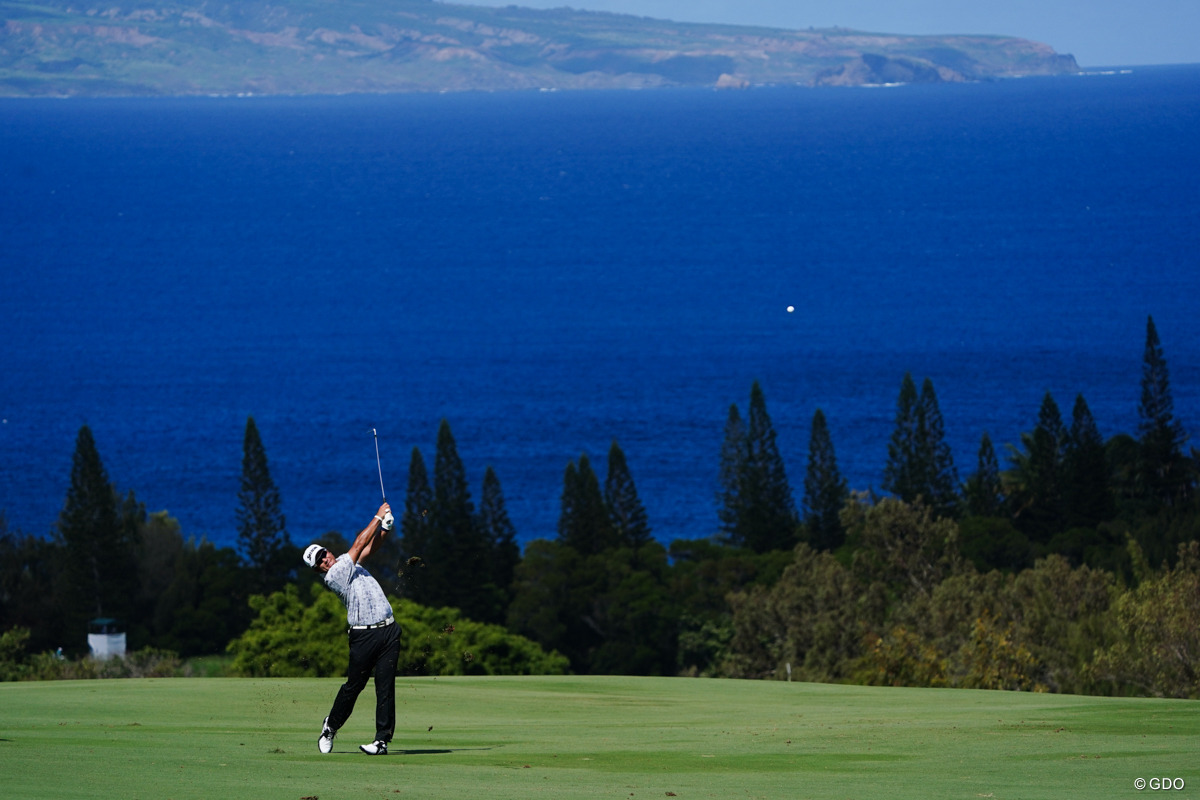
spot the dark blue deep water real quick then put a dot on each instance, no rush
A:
(549, 272)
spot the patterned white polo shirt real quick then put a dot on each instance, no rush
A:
(366, 603)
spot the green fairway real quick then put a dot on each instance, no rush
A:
(586, 737)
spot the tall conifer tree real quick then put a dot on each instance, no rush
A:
(730, 499)
(984, 490)
(900, 475)
(919, 463)
(452, 497)
(1087, 493)
(940, 476)
(418, 499)
(1164, 477)
(569, 505)
(769, 518)
(1039, 501)
(101, 577)
(628, 515)
(825, 490)
(501, 536)
(458, 552)
(584, 523)
(415, 529)
(262, 528)
(756, 508)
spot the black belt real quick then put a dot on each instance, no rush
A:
(383, 624)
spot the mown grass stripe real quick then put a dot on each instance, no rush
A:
(589, 737)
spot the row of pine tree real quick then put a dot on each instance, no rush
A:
(604, 592)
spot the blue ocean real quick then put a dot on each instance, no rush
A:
(550, 272)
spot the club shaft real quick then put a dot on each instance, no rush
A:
(378, 466)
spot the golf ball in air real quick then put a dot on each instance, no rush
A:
(791, 309)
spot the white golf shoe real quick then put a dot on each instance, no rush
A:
(325, 743)
(375, 748)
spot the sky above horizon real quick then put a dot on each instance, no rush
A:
(1099, 33)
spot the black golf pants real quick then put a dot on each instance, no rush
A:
(375, 650)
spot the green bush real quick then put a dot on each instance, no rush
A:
(814, 618)
(13, 658)
(1158, 652)
(439, 641)
(901, 658)
(294, 638)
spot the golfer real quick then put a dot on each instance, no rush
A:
(374, 634)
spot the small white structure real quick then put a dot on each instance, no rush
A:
(105, 639)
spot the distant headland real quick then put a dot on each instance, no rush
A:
(193, 47)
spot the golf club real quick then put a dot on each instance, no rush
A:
(388, 519)
(378, 466)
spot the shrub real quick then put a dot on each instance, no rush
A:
(12, 654)
(1158, 652)
(292, 638)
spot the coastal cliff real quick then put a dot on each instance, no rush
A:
(157, 47)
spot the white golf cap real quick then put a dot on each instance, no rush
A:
(313, 553)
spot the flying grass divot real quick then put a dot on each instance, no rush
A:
(586, 737)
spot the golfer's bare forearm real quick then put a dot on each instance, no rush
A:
(370, 548)
(364, 543)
